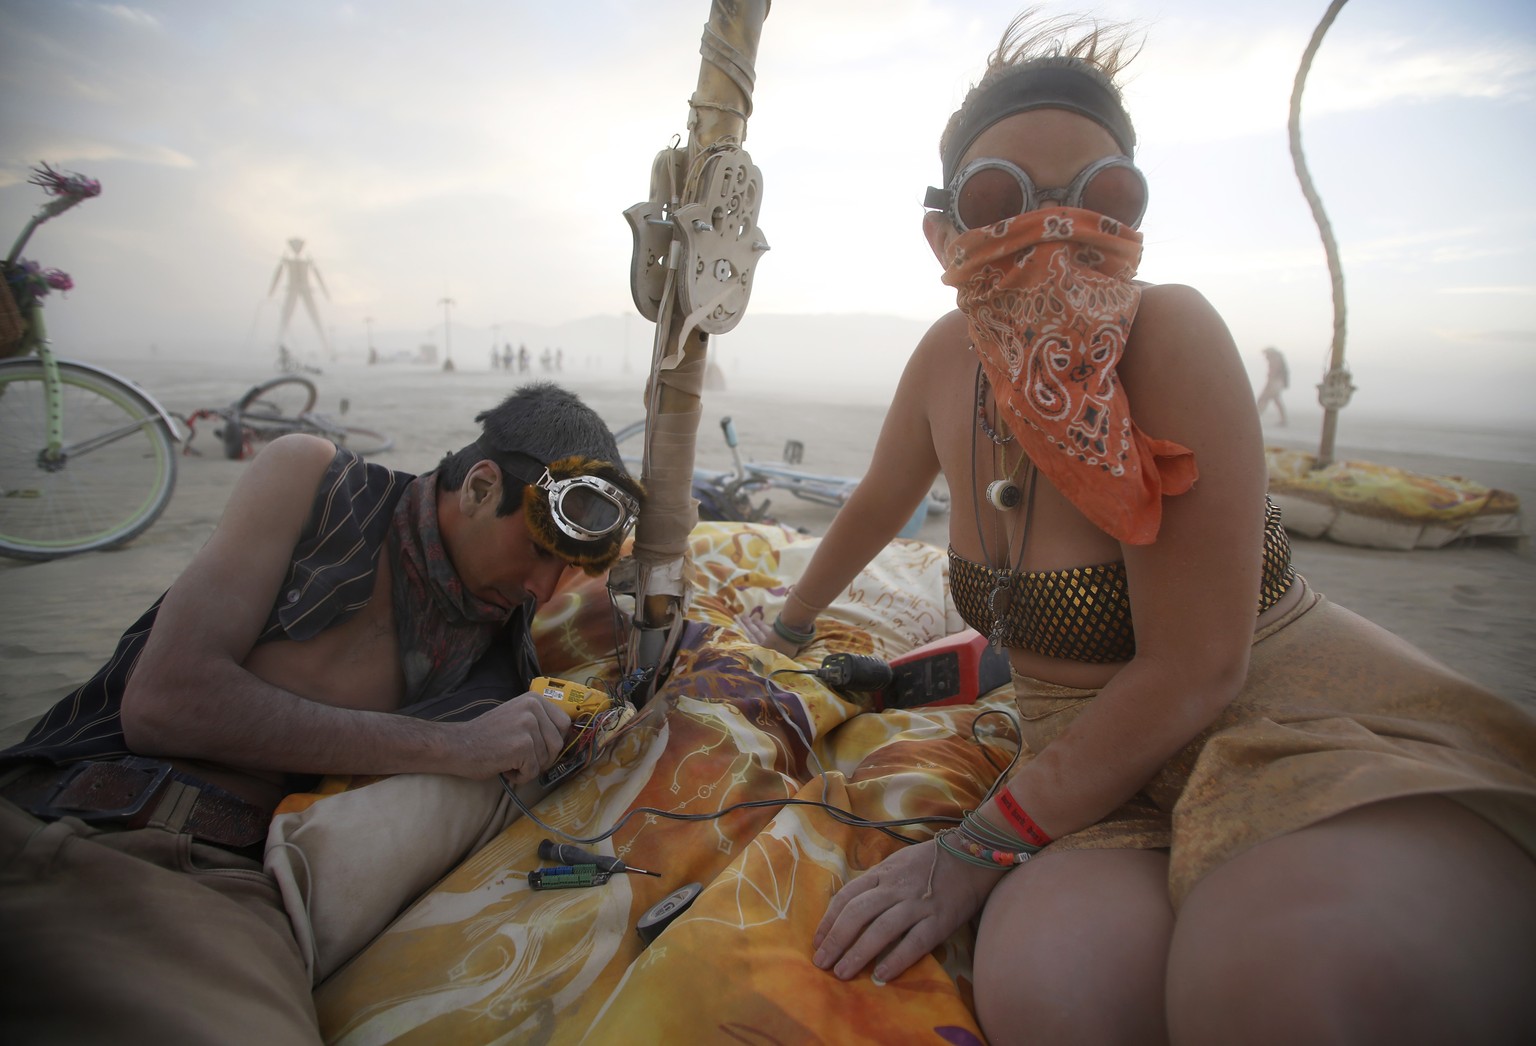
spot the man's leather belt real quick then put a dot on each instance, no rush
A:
(135, 792)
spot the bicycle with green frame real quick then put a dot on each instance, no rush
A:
(87, 457)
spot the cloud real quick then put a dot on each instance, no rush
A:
(1198, 84)
(1417, 251)
(1486, 337)
(65, 150)
(136, 16)
(70, 152)
(854, 32)
(1430, 247)
(1375, 72)
(1519, 291)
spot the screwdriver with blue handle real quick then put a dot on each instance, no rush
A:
(566, 854)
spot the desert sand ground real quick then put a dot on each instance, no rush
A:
(1471, 606)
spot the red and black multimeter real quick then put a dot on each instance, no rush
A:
(955, 670)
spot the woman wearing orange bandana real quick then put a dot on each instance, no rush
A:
(1246, 814)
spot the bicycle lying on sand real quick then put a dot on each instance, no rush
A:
(278, 407)
(729, 494)
(87, 457)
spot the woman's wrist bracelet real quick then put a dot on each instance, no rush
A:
(790, 635)
(975, 825)
(957, 842)
(798, 598)
(1020, 820)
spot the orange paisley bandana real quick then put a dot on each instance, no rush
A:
(1049, 300)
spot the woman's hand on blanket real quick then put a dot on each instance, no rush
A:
(520, 738)
(758, 629)
(899, 911)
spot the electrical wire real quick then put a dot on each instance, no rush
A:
(1006, 772)
(835, 812)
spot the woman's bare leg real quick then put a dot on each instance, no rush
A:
(1073, 948)
(1403, 922)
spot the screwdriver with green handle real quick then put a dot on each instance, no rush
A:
(566, 854)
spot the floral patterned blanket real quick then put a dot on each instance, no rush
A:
(1379, 506)
(483, 958)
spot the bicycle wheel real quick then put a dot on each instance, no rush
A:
(360, 441)
(273, 408)
(284, 397)
(116, 476)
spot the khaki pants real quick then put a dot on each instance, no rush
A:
(350, 863)
(142, 936)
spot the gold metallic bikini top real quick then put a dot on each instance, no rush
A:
(1083, 614)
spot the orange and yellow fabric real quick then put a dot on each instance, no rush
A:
(482, 957)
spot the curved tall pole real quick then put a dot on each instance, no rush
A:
(696, 248)
(1336, 388)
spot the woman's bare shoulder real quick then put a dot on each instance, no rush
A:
(1173, 300)
(1183, 371)
(944, 339)
(950, 326)
(1175, 321)
(297, 458)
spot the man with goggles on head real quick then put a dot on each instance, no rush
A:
(344, 618)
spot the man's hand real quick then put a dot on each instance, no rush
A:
(521, 738)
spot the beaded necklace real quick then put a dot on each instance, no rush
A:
(1004, 495)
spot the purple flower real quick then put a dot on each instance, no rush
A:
(64, 183)
(30, 282)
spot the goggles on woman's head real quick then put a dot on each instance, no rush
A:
(987, 191)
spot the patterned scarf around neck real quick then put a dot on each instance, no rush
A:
(441, 627)
(1049, 301)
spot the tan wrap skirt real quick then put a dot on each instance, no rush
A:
(1336, 713)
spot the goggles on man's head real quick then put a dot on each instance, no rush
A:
(588, 508)
(987, 191)
(578, 508)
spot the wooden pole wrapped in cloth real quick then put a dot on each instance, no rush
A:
(696, 250)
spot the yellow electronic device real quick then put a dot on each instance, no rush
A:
(577, 700)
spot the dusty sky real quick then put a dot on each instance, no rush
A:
(484, 150)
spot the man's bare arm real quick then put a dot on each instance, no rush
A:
(190, 695)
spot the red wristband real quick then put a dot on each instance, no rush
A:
(1022, 823)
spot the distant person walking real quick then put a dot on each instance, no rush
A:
(1278, 380)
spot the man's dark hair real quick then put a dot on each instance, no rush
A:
(541, 420)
